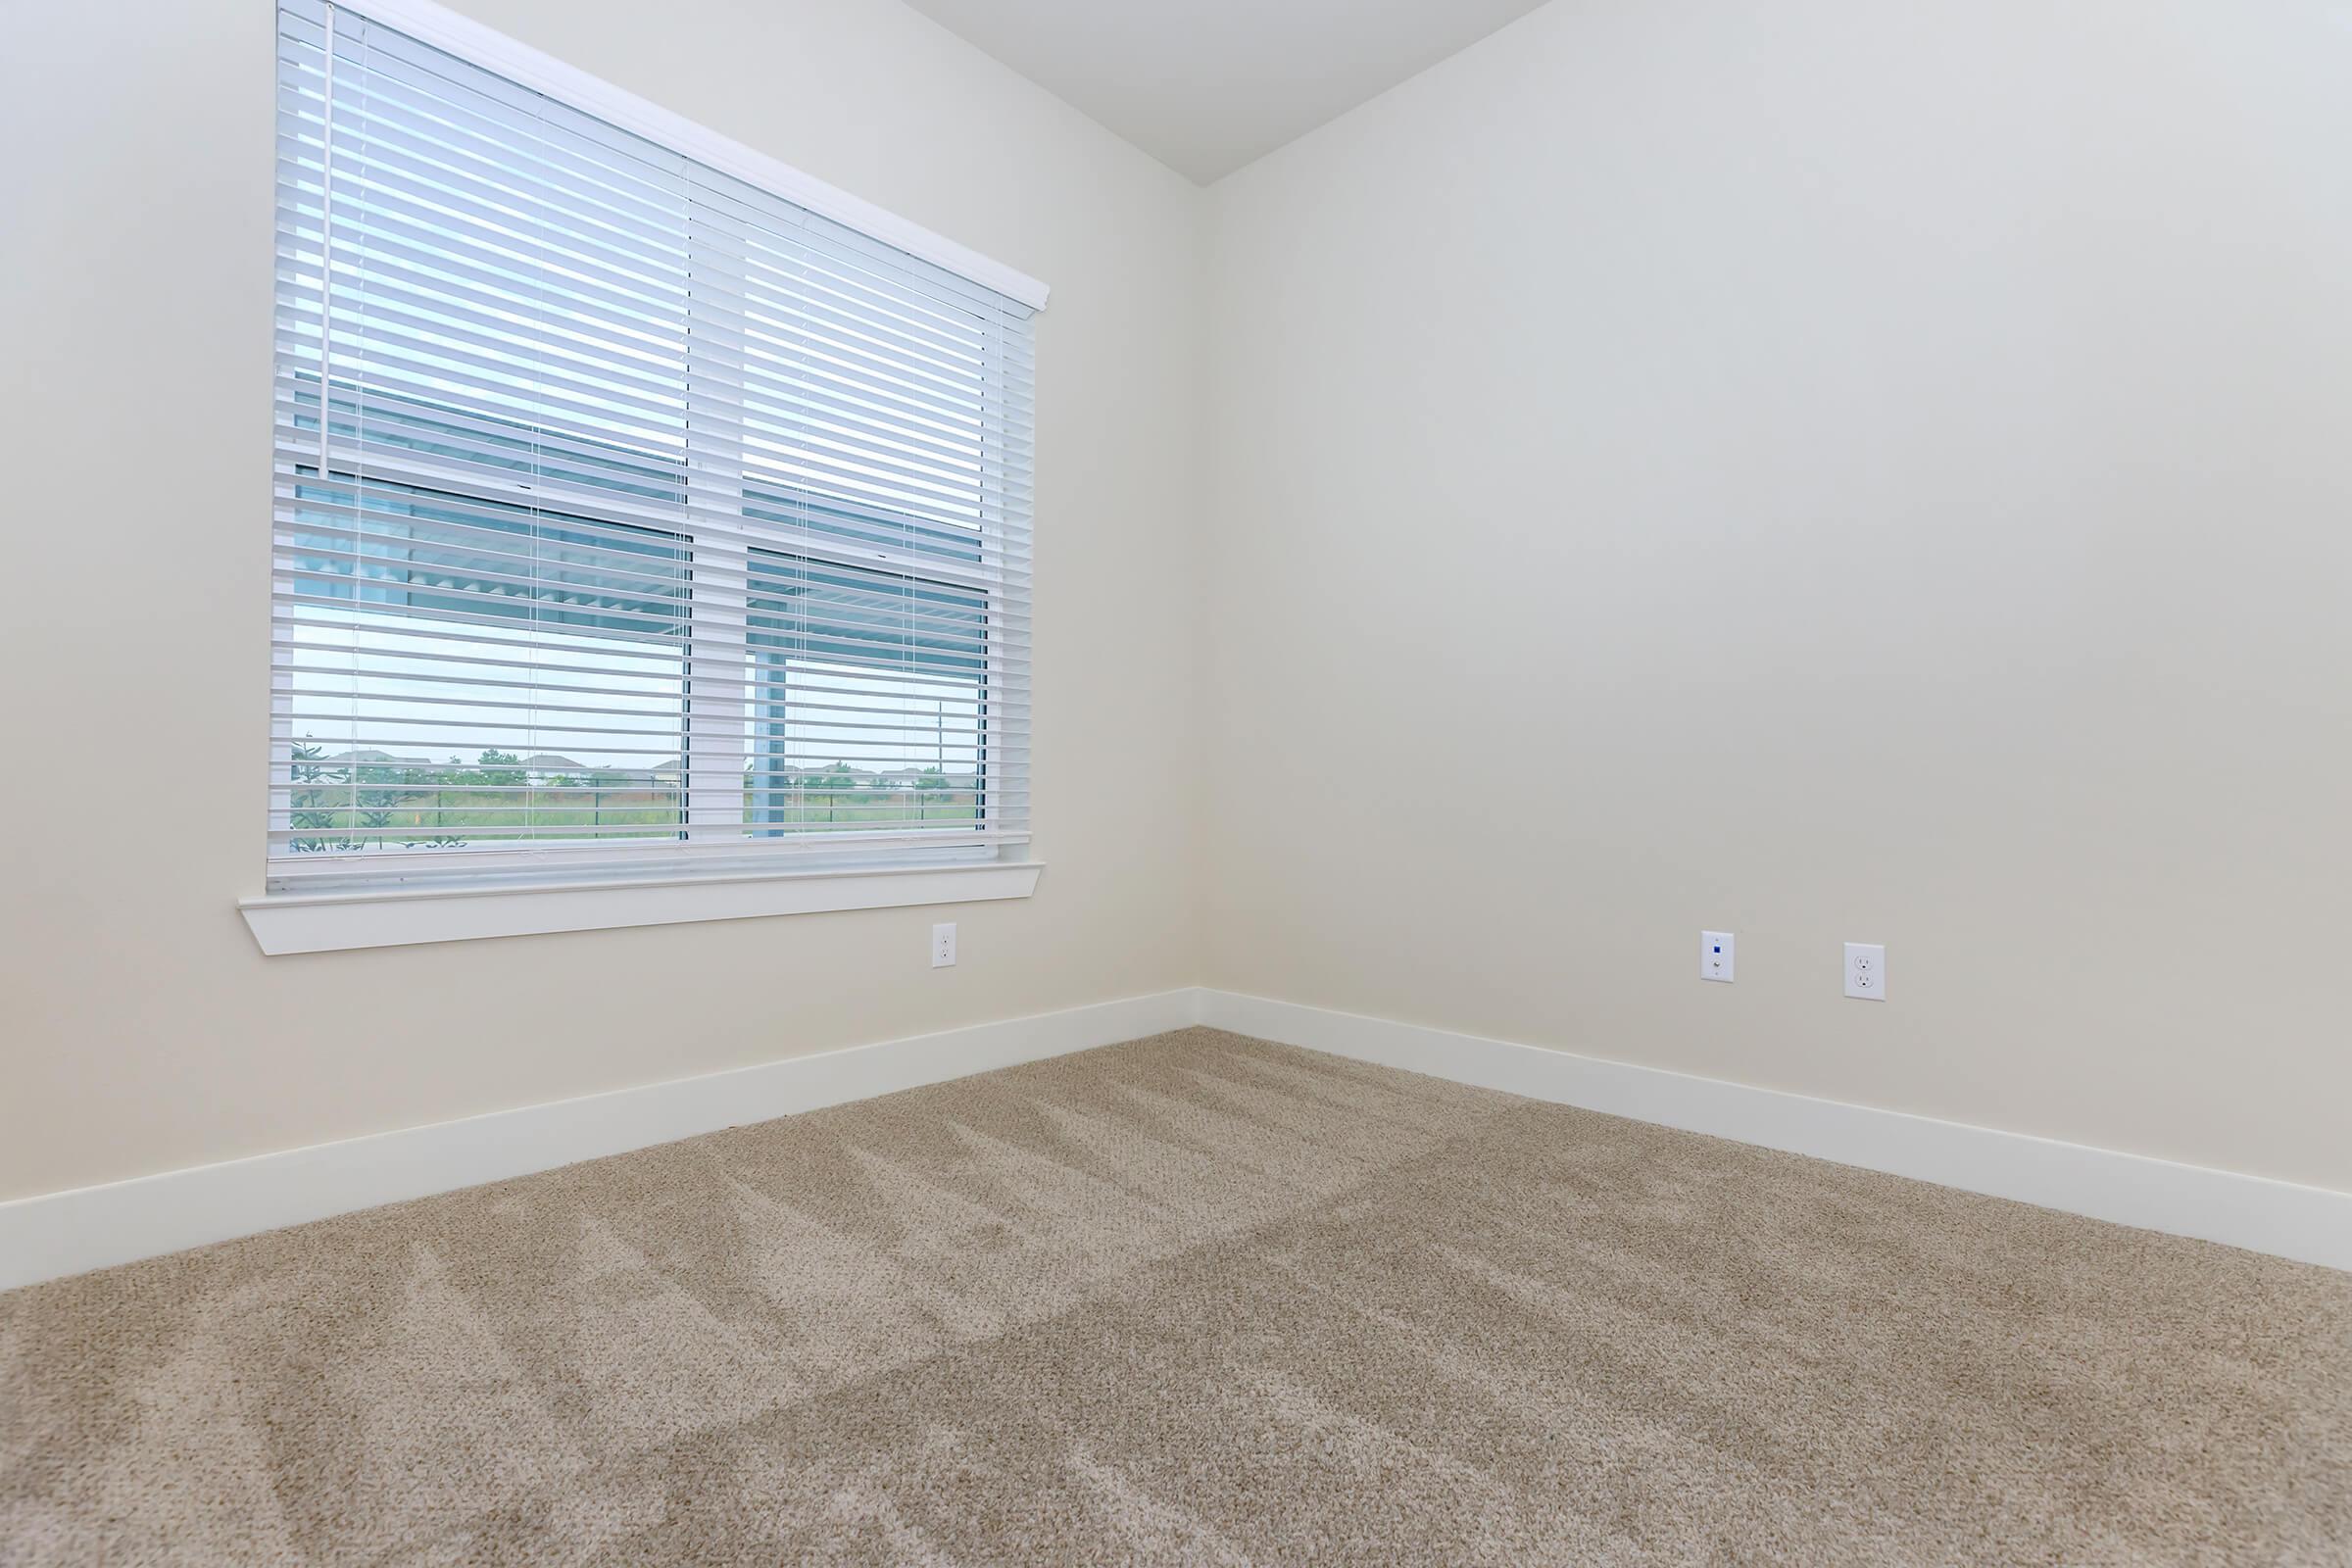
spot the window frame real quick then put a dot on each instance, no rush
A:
(495, 892)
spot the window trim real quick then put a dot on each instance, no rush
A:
(333, 922)
(491, 904)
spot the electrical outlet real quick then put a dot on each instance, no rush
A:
(1715, 955)
(1866, 971)
(943, 944)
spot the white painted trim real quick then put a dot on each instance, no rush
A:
(329, 922)
(95, 1227)
(2310, 1224)
(65, 1233)
(445, 29)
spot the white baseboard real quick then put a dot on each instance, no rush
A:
(2310, 1224)
(57, 1234)
(65, 1233)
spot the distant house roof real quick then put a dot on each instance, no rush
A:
(550, 762)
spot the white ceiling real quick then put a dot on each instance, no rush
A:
(1209, 85)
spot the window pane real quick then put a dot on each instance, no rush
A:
(471, 675)
(870, 699)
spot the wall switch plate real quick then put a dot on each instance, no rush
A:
(1715, 955)
(1866, 971)
(943, 944)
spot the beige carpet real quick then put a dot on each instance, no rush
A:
(1195, 1298)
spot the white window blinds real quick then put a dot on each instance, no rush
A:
(630, 520)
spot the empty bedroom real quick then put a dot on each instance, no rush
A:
(1182, 781)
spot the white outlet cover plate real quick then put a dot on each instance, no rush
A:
(943, 944)
(1866, 971)
(1715, 954)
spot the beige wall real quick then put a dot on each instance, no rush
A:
(142, 1031)
(1831, 470)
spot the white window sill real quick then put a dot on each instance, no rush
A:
(329, 922)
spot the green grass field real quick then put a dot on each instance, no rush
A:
(332, 817)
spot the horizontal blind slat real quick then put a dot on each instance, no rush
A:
(770, 521)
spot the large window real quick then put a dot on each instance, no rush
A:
(631, 519)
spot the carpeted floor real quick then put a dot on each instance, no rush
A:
(1194, 1299)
